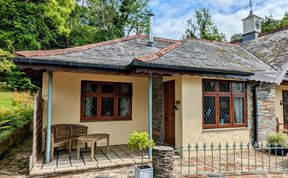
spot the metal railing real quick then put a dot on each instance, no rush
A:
(230, 158)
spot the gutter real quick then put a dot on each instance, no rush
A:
(140, 64)
(126, 68)
(66, 63)
(255, 112)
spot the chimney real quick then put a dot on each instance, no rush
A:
(151, 28)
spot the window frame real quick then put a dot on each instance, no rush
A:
(101, 95)
(217, 94)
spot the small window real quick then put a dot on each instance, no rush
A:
(209, 110)
(223, 104)
(224, 86)
(106, 103)
(107, 88)
(89, 106)
(209, 86)
(237, 87)
(90, 87)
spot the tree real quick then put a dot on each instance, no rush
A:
(117, 18)
(236, 38)
(204, 27)
(10, 73)
(269, 23)
(33, 24)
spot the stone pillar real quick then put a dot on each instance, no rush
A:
(163, 161)
(267, 121)
(157, 109)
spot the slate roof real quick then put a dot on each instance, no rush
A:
(265, 56)
(212, 55)
(271, 48)
(119, 52)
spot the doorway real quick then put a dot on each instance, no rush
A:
(285, 109)
(169, 112)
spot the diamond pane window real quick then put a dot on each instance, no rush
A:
(224, 86)
(124, 89)
(89, 87)
(224, 110)
(209, 86)
(238, 110)
(123, 106)
(209, 110)
(106, 101)
(237, 87)
(90, 106)
(224, 106)
(107, 88)
(107, 106)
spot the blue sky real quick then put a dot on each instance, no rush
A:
(171, 15)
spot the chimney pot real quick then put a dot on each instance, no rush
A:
(151, 29)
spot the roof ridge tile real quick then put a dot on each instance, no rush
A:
(161, 52)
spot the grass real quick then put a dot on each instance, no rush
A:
(6, 100)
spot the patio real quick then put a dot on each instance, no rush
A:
(119, 155)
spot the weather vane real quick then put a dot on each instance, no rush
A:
(251, 6)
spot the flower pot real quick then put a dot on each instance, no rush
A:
(143, 171)
(277, 150)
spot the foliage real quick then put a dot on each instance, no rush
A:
(33, 24)
(236, 38)
(9, 72)
(270, 24)
(99, 20)
(277, 139)
(16, 113)
(204, 27)
(139, 141)
(5, 62)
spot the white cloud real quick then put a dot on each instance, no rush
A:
(171, 15)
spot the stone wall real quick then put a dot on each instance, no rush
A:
(157, 109)
(267, 121)
(163, 161)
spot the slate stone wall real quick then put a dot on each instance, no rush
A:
(267, 121)
(163, 161)
(158, 109)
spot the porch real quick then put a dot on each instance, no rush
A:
(119, 155)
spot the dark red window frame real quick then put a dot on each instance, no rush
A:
(99, 94)
(217, 94)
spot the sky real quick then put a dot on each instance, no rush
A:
(171, 15)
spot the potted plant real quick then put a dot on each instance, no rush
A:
(278, 143)
(140, 141)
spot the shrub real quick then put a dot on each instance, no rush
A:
(16, 113)
(277, 139)
(139, 141)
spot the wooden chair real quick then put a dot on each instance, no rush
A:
(64, 134)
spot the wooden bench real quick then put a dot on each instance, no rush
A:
(64, 134)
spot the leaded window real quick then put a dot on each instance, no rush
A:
(224, 104)
(105, 101)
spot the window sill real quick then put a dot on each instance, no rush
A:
(224, 129)
(105, 120)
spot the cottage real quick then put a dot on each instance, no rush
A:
(181, 92)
